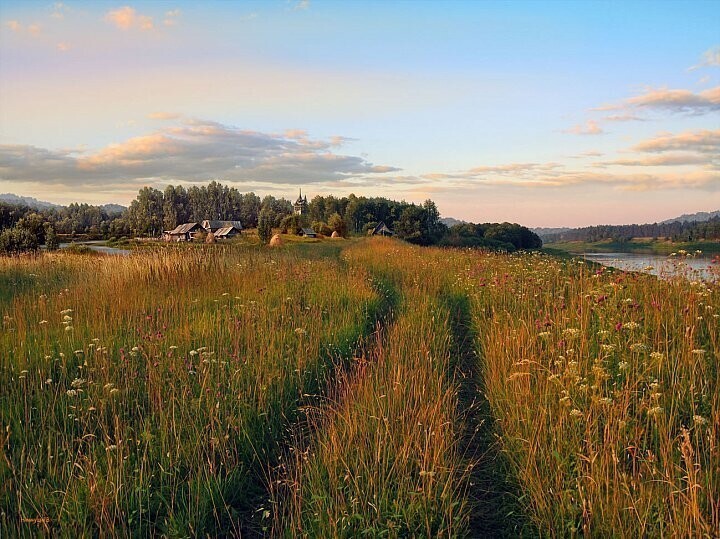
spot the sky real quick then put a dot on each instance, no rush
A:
(543, 113)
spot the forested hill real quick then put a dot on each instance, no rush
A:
(675, 231)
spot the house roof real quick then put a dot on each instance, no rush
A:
(183, 229)
(211, 223)
(381, 227)
(308, 231)
(225, 231)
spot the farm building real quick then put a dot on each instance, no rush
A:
(308, 232)
(187, 231)
(215, 225)
(381, 230)
(184, 232)
(226, 232)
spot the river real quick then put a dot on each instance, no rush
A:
(100, 247)
(663, 266)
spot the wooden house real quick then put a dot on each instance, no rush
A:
(308, 233)
(184, 232)
(226, 232)
(215, 225)
(381, 230)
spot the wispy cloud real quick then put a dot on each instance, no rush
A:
(301, 5)
(710, 57)
(171, 17)
(60, 10)
(703, 141)
(674, 101)
(590, 127)
(126, 18)
(193, 150)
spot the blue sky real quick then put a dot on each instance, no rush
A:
(544, 113)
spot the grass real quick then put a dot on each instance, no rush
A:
(340, 388)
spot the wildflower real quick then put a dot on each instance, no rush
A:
(193, 352)
(632, 325)
(571, 332)
(78, 382)
(565, 401)
(698, 352)
(78, 352)
(66, 311)
(114, 391)
(300, 331)
(544, 334)
(71, 393)
(67, 318)
(576, 413)
(111, 448)
(49, 381)
(638, 347)
(607, 348)
(43, 322)
(655, 411)
(603, 333)
(657, 356)
(623, 365)
(699, 420)
(69, 328)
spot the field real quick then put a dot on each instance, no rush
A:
(347, 388)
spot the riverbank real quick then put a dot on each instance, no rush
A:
(639, 246)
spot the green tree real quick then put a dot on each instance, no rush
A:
(337, 224)
(51, 239)
(17, 240)
(264, 226)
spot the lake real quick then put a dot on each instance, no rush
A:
(663, 266)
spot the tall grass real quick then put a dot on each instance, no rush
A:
(150, 394)
(385, 460)
(606, 386)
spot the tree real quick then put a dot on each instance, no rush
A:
(264, 226)
(51, 239)
(17, 240)
(337, 224)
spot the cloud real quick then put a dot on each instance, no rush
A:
(14, 26)
(171, 17)
(674, 101)
(623, 118)
(674, 159)
(710, 57)
(703, 141)
(63, 46)
(301, 5)
(164, 116)
(59, 10)
(193, 150)
(126, 18)
(590, 128)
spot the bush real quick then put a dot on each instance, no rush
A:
(17, 240)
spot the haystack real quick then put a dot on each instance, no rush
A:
(335, 234)
(276, 241)
(210, 238)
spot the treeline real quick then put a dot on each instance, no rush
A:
(154, 211)
(675, 231)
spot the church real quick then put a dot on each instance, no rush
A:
(301, 205)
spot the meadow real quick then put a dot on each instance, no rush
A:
(347, 388)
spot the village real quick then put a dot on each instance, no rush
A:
(212, 230)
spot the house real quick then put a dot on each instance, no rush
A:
(226, 232)
(301, 205)
(381, 230)
(215, 225)
(184, 232)
(308, 233)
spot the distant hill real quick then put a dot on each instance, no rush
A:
(36, 204)
(548, 231)
(30, 202)
(698, 217)
(451, 221)
(113, 208)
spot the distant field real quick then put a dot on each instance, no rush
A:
(640, 245)
(342, 388)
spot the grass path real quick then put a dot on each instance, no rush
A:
(492, 490)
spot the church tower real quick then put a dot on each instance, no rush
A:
(301, 205)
